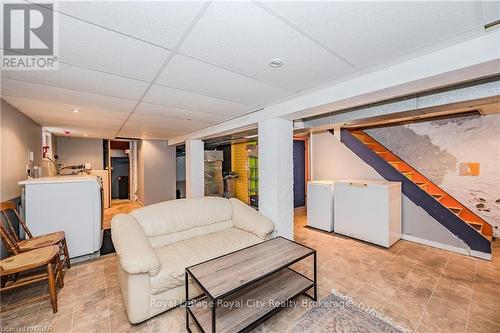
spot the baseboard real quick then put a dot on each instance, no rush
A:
(480, 255)
(442, 246)
(140, 203)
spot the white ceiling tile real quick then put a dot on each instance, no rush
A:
(157, 122)
(147, 126)
(139, 134)
(40, 92)
(87, 132)
(159, 22)
(199, 77)
(51, 110)
(84, 80)
(57, 115)
(177, 113)
(87, 45)
(186, 100)
(370, 32)
(490, 11)
(243, 37)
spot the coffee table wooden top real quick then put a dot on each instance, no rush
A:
(221, 276)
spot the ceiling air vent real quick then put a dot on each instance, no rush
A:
(492, 25)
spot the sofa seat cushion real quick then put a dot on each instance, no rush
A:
(175, 257)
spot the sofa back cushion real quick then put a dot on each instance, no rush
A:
(178, 216)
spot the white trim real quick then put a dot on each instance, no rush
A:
(480, 255)
(442, 246)
(456, 249)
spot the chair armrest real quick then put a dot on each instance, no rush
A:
(248, 219)
(134, 251)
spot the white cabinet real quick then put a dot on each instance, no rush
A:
(66, 203)
(320, 205)
(368, 210)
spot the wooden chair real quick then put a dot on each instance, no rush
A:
(11, 270)
(14, 245)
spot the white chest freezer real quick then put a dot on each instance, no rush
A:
(368, 210)
(320, 204)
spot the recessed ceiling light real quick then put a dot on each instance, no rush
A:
(85, 134)
(276, 63)
(76, 111)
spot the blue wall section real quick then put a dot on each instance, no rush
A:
(299, 173)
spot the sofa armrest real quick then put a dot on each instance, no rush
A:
(132, 246)
(248, 219)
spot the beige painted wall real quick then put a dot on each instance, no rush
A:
(156, 171)
(20, 135)
(79, 151)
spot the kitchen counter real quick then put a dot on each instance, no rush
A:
(58, 179)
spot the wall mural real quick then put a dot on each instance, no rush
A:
(460, 155)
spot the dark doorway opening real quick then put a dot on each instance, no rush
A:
(120, 169)
(299, 173)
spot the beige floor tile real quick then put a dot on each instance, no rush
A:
(454, 293)
(434, 258)
(19, 317)
(59, 324)
(96, 313)
(119, 321)
(169, 321)
(456, 310)
(89, 300)
(404, 311)
(486, 306)
(45, 312)
(435, 324)
(478, 324)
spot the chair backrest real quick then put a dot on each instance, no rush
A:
(9, 235)
(7, 206)
(9, 241)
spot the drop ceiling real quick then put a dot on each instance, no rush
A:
(159, 70)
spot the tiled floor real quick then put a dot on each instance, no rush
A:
(420, 288)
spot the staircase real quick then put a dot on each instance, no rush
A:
(448, 211)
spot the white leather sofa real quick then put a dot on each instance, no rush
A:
(156, 243)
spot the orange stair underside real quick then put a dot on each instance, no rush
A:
(427, 185)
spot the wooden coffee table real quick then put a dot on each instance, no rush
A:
(243, 288)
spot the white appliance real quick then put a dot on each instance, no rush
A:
(72, 204)
(320, 204)
(369, 210)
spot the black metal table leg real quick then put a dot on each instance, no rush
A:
(213, 316)
(187, 300)
(315, 281)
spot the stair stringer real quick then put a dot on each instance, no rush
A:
(474, 240)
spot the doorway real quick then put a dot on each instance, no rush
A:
(120, 170)
(300, 172)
